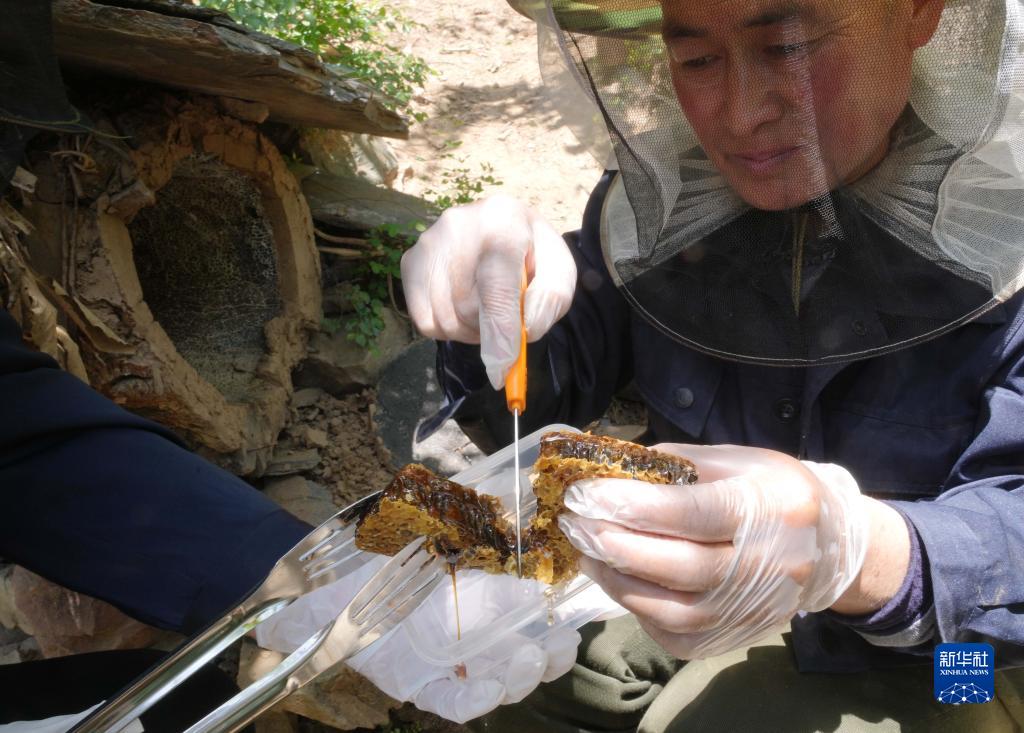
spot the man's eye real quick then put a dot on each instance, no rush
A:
(700, 62)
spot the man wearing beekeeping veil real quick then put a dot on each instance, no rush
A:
(805, 256)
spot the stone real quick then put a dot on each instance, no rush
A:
(275, 721)
(249, 111)
(286, 462)
(307, 500)
(407, 393)
(313, 437)
(346, 155)
(200, 50)
(340, 366)
(448, 451)
(24, 649)
(8, 617)
(337, 299)
(64, 622)
(307, 397)
(351, 203)
(341, 698)
(9, 654)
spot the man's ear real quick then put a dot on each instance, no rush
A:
(926, 17)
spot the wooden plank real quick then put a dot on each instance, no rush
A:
(219, 58)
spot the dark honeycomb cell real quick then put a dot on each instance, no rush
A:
(470, 530)
(207, 264)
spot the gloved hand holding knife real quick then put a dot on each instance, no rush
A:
(515, 397)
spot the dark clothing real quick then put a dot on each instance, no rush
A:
(69, 685)
(936, 429)
(625, 683)
(106, 503)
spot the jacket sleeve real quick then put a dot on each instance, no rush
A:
(106, 503)
(973, 533)
(573, 372)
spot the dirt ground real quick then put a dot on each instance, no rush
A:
(486, 105)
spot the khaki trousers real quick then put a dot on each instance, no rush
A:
(623, 681)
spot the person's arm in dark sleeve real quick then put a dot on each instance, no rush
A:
(966, 577)
(106, 503)
(573, 371)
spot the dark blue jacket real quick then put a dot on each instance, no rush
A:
(936, 429)
(111, 505)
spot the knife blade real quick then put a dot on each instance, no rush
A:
(515, 398)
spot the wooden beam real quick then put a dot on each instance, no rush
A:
(218, 58)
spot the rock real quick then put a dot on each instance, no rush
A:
(337, 299)
(407, 393)
(250, 111)
(8, 618)
(354, 204)
(11, 638)
(448, 451)
(307, 397)
(275, 721)
(346, 155)
(20, 648)
(343, 698)
(9, 654)
(176, 45)
(286, 462)
(64, 622)
(340, 366)
(313, 437)
(307, 500)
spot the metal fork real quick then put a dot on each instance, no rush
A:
(321, 557)
(391, 594)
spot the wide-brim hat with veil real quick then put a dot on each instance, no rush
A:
(930, 238)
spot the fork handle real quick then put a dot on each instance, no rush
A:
(264, 693)
(145, 692)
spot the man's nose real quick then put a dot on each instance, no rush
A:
(753, 97)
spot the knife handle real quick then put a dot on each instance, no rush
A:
(515, 382)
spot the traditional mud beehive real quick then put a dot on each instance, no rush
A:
(193, 247)
(175, 240)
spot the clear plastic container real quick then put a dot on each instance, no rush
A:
(497, 613)
(494, 619)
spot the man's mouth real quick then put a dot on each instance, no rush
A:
(765, 160)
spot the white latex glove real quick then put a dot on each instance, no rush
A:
(505, 672)
(60, 724)
(718, 565)
(462, 279)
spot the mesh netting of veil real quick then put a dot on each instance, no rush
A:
(927, 239)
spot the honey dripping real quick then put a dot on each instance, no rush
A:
(549, 595)
(455, 594)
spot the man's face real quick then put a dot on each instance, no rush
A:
(791, 99)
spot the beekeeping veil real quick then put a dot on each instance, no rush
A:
(928, 239)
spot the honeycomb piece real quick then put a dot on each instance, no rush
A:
(566, 458)
(464, 526)
(468, 528)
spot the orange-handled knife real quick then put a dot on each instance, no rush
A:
(515, 398)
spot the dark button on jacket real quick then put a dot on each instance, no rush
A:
(786, 410)
(684, 398)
